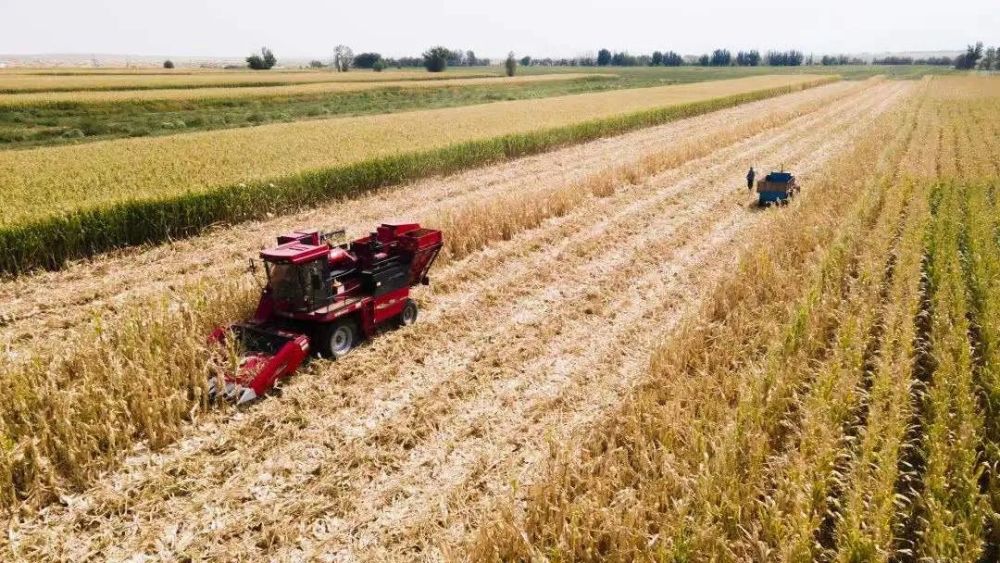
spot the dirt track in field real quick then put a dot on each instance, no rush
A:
(399, 451)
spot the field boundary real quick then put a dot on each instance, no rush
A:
(49, 243)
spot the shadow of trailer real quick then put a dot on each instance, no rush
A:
(776, 188)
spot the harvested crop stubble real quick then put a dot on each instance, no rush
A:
(110, 97)
(395, 396)
(23, 83)
(75, 201)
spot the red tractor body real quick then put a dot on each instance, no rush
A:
(326, 297)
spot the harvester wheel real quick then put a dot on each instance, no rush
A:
(336, 340)
(409, 314)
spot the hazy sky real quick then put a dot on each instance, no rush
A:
(301, 28)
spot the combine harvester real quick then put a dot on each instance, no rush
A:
(325, 296)
(776, 187)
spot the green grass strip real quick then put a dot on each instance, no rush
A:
(48, 243)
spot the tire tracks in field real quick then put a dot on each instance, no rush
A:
(190, 486)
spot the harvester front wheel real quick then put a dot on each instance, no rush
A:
(338, 339)
(409, 314)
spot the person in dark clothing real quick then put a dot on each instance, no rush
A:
(750, 176)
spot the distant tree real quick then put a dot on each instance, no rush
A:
(316, 64)
(269, 59)
(603, 57)
(657, 58)
(366, 60)
(721, 57)
(436, 59)
(510, 65)
(470, 58)
(748, 58)
(937, 61)
(264, 61)
(624, 59)
(526, 61)
(989, 59)
(833, 60)
(410, 62)
(785, 58)
(343, 56)
(456, 57)
(379, 65)
(893, 60)
(704, 60)
(968, 60)
(671, 58)
(168, 64)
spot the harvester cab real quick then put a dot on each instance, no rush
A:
(325, 297)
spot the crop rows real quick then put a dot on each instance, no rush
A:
(13, 82)
(864, 524)
(74, 202)
(981, 263)
(835, 398)
(308, 88)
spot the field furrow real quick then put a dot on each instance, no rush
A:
(528, 340)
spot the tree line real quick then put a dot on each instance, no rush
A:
(437, 59)
(975, 57)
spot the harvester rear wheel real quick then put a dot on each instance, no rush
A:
(336, 340)
(409, 314)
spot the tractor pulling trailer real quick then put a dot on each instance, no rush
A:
(777, 188)
(323, 297)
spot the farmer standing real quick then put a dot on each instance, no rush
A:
(750, 176)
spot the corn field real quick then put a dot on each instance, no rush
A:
(844, 412)
(620, 357)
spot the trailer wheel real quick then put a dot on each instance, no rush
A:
(409, 314)
(336, 340)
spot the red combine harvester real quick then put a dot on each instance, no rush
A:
(324, 296)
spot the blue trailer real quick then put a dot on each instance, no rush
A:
(777, 187)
